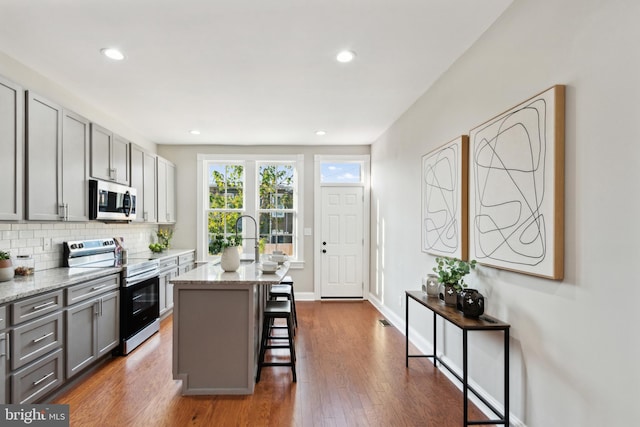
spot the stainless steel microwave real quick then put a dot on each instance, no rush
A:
(111, 202)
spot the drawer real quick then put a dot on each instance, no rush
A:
(37, 380)
(3, 317)
(186, 258)
(36, 338)
(168, 262)
(90, 289)
(30, 308)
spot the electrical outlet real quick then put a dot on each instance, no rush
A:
(46, 244)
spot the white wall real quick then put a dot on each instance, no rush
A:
(185, 158)
(574, 350)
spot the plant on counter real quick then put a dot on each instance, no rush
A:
(219, 243)
(164, 239)
(451, 271)
(6, 268)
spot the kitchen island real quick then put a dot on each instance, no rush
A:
(217, 321)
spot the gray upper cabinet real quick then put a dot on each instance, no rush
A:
(143, 179)
(12, 148)
(75, 161)
(166, 191)
(57, 153)
(150, 187)
(109, 156)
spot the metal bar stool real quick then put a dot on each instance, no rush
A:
(277, 310)
(285, 290)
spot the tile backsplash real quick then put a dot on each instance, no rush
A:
(33, 238)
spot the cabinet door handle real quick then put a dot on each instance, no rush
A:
(41, 306)
(5, 347)
(66, 211)
(95, 288)
(42, 337)
(61, 213)
(43, 378)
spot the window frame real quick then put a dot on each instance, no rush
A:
(251, 164)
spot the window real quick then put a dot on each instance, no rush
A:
(340, 172)
(226, 199)
(264, 187)
(276, 207)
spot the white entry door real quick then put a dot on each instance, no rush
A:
(342, 243)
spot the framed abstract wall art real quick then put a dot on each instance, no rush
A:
(444, 199)
(516, 185)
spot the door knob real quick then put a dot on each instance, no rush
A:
(324, 243)
(324, 251)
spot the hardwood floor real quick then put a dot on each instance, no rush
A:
(351, 372)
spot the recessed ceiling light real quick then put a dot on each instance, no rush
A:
(321, 132)
(194, 132)
(345, 56)
(112, 53)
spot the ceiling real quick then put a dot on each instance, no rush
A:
(246, 71)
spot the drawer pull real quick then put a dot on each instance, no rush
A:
(95, 288)
(35, 383)
(43, 337)
(41, 306)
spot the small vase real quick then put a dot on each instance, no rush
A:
(432, 286)
(230, 260)
(6, 270)
(448, 294)
(472, 303)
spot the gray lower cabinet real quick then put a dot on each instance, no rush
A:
(4, 348)
(93, 324)
(38, 379)
(12, 149)
(168, 270)
(186, 262)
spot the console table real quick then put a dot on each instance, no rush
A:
(483, 323)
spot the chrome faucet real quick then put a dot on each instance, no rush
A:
(257, 240)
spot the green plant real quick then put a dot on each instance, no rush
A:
(451, 271)
(219, 243)
(164, 236)
(4, 255)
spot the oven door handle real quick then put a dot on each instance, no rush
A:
(140, 278)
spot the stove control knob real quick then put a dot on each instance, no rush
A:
(81, 245)
(74, 246)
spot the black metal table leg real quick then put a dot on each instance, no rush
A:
(406, 330)
(465, 378)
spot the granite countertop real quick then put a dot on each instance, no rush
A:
(50, 280)
(57, 278)
(247, 274)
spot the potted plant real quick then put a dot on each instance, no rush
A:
(6, 267)
(164, 240)
(228, 246)
(451, 272)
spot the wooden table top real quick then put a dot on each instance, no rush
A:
(453, 315)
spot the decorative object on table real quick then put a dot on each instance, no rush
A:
(472, 303)
(451, 272)
(516, 182)
(229, 248)
(6, 267)
(444, 199)
(24, 265)
(430, 285)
